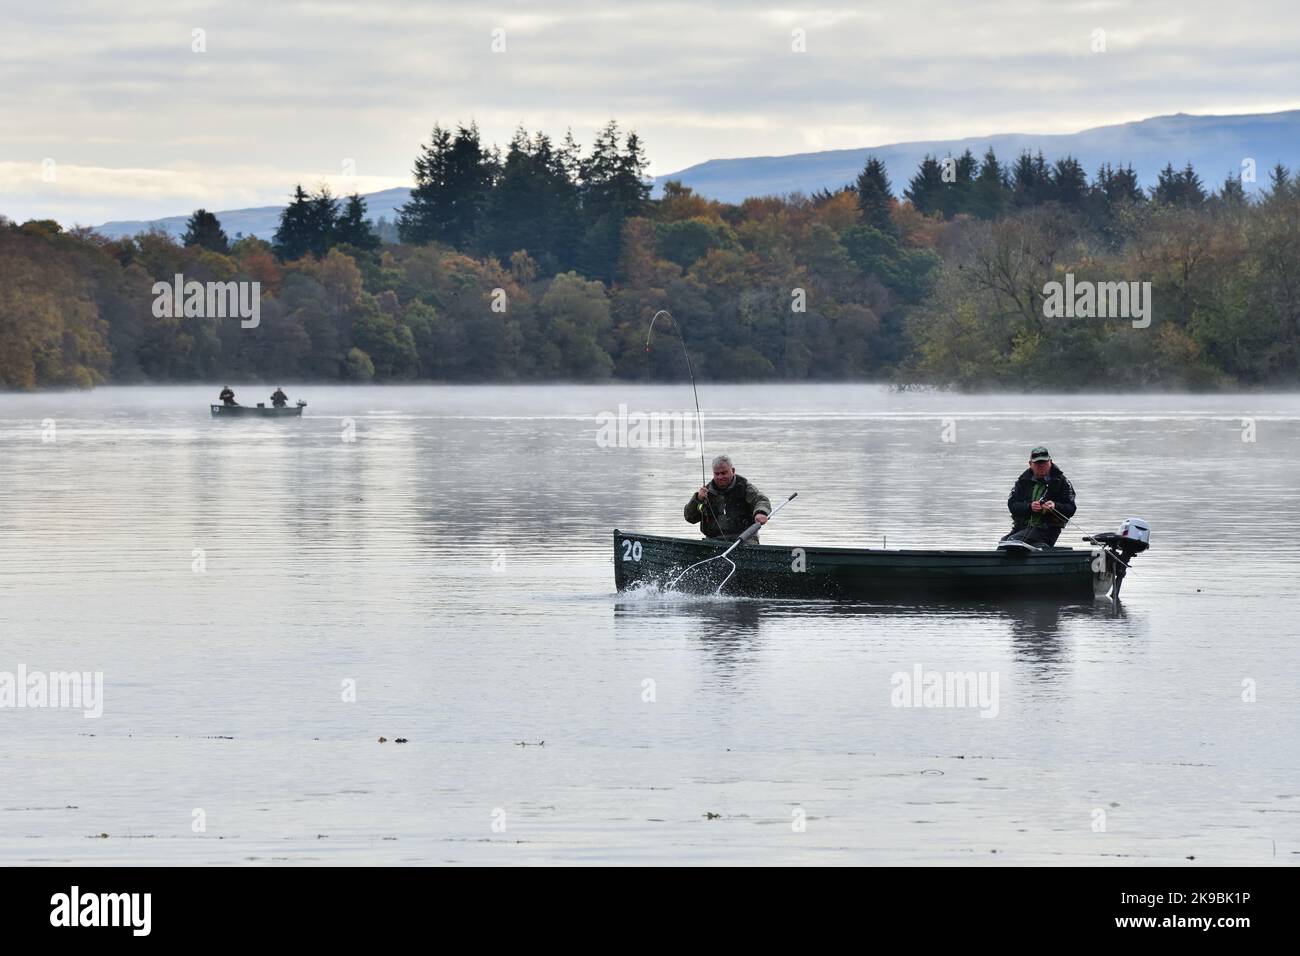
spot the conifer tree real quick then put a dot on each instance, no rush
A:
(204, 229)
(989, 194)
(293, 238)
(352, 229)
(876, 196)
(925, 191)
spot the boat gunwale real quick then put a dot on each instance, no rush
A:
(275, 411)
(770, 548)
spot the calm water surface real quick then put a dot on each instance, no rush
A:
(453, 563)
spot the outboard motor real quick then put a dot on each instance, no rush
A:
(1132, 538)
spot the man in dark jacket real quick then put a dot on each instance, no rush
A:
(227, 396)
(1041, 502)
(728, 504)
(278, 398)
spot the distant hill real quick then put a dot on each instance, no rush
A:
(260, 221)
(1215, 145)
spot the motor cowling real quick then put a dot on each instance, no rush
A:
(1136, 529)
(1132, 538)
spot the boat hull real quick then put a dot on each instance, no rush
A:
(256, 411)
(642, 560)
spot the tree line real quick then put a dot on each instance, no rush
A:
(543, 262)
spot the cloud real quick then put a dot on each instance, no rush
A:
(287, 91)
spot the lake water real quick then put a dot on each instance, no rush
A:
(444, 556)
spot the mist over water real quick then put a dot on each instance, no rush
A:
(455, 562)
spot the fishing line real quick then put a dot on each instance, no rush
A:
(699, 421)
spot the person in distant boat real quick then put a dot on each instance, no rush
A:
(728, 504)
(1041, 502)
(278, 398)
(227, 396)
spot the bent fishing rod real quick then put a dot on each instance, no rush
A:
(690, 370)
(1066, 519)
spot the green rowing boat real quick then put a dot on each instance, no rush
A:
(258, 411)
(646, 560)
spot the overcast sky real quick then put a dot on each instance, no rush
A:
(110, 100)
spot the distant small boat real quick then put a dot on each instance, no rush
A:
(258, 410)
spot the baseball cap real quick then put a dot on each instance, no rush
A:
(1040, 454)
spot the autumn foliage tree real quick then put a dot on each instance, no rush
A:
(547, 263)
